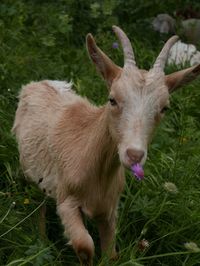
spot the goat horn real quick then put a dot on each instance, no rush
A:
(126, 46)
(161, 59)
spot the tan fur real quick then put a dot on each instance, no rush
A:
(76, 152)
(58, 142)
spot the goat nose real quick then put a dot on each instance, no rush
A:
(135, 155)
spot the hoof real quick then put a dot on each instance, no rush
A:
(84, 248)
(114, 257)
(85, 259)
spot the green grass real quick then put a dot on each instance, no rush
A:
(42, 41)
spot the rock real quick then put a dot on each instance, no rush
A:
(190, 28)
(182, 53)
(164, 23)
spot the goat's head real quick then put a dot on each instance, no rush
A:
(137, 98)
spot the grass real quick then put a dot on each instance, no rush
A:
(35, 45)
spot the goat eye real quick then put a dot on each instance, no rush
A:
(112, 101)
(164, 109)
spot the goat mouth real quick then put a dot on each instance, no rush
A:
(128, 165)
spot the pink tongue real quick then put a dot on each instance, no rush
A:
(138, 171)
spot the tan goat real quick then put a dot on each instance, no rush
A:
(76, 152)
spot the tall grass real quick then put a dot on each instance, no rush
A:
(37, 42)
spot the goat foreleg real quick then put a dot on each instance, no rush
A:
(106, 227)
(75, 230)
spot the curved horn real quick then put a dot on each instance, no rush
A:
(126, 46)
(161, 59)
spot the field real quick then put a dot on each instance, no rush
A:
(46, 40)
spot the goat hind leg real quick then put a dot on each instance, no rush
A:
(42, 221)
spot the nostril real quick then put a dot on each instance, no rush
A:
(135, 155)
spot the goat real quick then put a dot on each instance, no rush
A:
(77, 152)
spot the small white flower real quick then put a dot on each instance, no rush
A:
(13, 204)
(170, 187)
(191, 246)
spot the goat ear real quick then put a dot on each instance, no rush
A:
(182, 77)
(103, 63)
